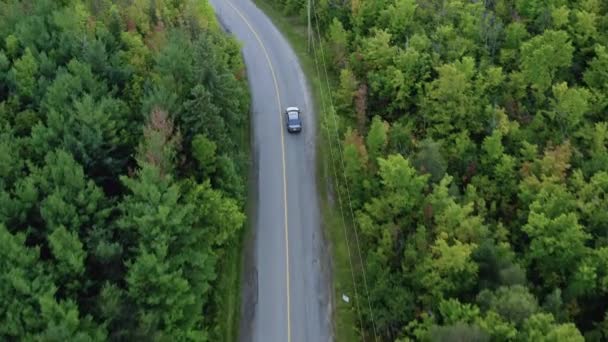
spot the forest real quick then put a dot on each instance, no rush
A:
(123, 163)
(474, 141)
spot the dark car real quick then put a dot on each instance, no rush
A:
(294, 122)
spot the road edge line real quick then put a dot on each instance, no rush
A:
(276, 86)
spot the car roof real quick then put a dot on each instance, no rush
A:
(293, 115)
(292, 109)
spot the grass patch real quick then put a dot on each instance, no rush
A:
(345, 323)
(228, 285)
(230, 267)
(229, 291)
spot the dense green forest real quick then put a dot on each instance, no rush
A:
(122, 168)
(475, 144)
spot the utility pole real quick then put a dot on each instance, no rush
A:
(309, 25)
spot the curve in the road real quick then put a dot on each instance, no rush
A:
(276, 86)
(286, 290)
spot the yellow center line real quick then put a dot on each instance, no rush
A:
(276, 87)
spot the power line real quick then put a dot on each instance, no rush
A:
(344, 174)
(333, 166)
(309, 30)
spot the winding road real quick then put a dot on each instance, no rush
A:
(286, 286)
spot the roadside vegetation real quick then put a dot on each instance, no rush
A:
(474, 139)
(123, 163)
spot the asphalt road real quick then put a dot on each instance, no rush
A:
(286, 287)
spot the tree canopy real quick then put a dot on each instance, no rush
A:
(121, 180)
(474, 149)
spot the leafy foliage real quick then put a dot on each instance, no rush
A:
(114, 153)
(475, 148)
